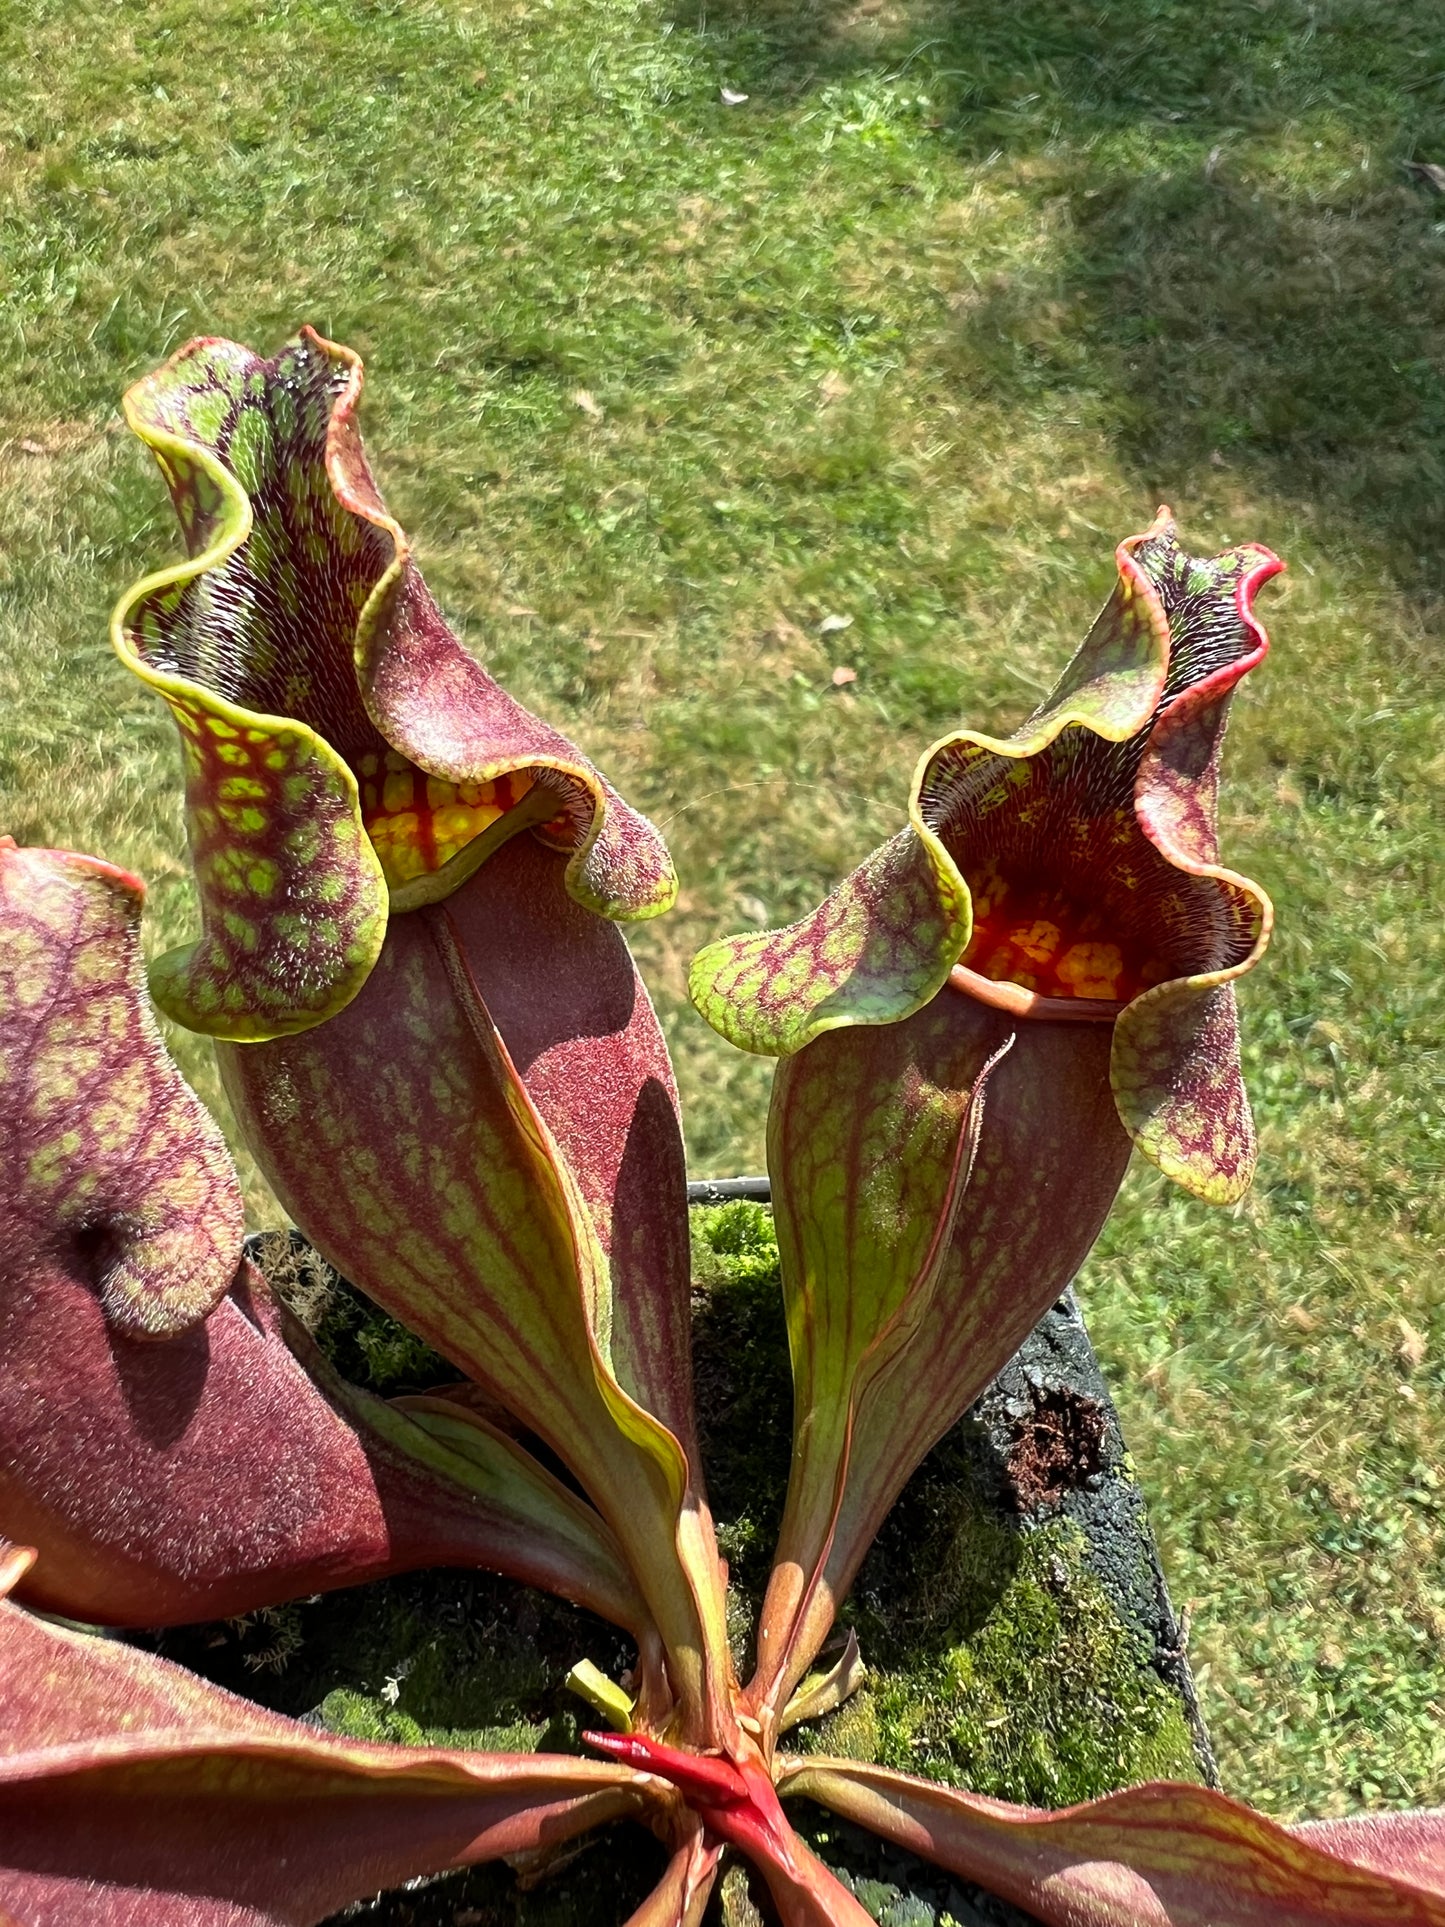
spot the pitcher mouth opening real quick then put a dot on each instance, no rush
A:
(1037, 951)
(1018, 1002)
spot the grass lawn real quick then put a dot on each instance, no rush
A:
(912, 335)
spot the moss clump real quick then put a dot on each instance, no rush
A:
(744, 1394)
(357, 1716)
(365, 1344)
(735, 1244)
(852, 1733)
(429, 1658)
(1049, 1700)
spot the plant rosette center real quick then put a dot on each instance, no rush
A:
(733, 1796)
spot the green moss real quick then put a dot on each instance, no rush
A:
(429, 1658)
(852, 1733)
(1048, 1699)
(364, 1343)
(357, 1716)
(744, 1393)
(740, 1242)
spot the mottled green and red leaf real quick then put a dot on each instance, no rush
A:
(343, 751)
(160, 1440)
(1161, 1855)
(135, 1795)
(931, 1204)
(113, 1169)
(402, 1140)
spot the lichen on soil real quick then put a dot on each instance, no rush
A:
(1012, 1615)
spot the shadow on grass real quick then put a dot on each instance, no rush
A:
(1239, 275)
